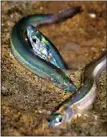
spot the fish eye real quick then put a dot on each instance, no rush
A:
(59, 118)
(34, 40)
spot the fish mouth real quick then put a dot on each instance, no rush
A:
(55, 119)
(31, 29)
(53, 124)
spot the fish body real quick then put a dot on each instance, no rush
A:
(41, 57)
(83, 98)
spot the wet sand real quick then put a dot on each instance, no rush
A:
(27, 100)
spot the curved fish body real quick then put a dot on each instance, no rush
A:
(83, 98)
(46, 63)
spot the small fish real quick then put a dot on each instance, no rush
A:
(38, 54)
(83, 98)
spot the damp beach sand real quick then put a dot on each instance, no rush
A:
(27, 100)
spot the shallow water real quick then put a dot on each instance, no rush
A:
(28, 100)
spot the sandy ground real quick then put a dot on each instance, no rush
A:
(27, 100)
